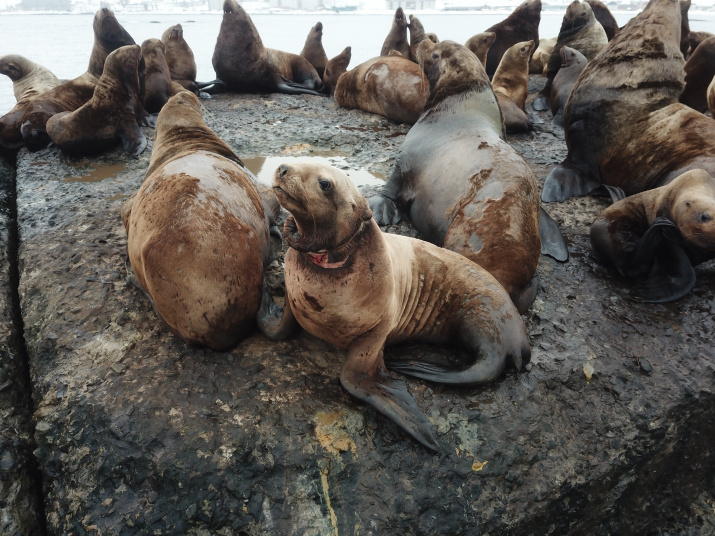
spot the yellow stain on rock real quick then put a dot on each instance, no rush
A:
(326, 494)
(330, 431)
(478, 466)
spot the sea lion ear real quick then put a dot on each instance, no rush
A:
(363, 209)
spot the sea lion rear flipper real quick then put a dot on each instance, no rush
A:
(214, 84)
(295, 88)
(552, 241)
(275, 323)
(563, 182)
(541, 103)
(133, 139)
(388, 396)
(615, 192)
(672, 275)
(558, 119)
(384, 210)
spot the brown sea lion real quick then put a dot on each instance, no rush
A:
(108, 36)
(573, 63)
(684, 26)
(397, 38)
(158, 86)
(463, 186)
(695, 38)
(711, 98)
(334, 69)
(659, 235)
(244, 64)
(417, 35)
(361, 290)
(313, 50)
(197, 236)
(579, 30)
(392, 86)
(605, 17)
(480, 44)
(110, 116)
(180, 58)
(699, 71)
(521, 25)
(511, 85)
(29, 81)
(623, 124)
(540, 58)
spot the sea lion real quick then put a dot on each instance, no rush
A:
(605, 17)
(197, 234)
(511, 85)
(699, 71)
(659, 235)
(109, 35)
(392, 86)
(244, 64)
(158, 86)
(695, 38)
(573, 62)
(579, 30)
(463, 186)
(110, 116)
(521, 25)
(29, 81)
(684, 26)
(540, 59)
(623, 124)
(313, 50)
(397, 38)
(334, 69)
(180, 58)
(360, 289)
(711, 98)
(480, 44)
(417, 35)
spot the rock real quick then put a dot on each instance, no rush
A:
(138, 432)
(20, 511)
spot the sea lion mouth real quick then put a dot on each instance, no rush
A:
(282, 195)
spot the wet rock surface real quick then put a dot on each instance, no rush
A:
(609, 431)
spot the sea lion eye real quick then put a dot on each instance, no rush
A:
(324, 185)
(523, 49)
(705, 217)
(327, 72)
(435, 56)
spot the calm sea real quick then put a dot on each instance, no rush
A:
(63, 43)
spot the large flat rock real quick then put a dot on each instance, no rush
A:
(140, 433)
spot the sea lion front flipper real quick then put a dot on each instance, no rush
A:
(552, 241)
(133, 139)
(563, 182)
(388, 396)
(672, 275)
(384, 210)
(541, 103)
(275, 323)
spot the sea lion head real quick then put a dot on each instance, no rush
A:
(173, 33)
(571, 56)
(326, 208)
(109, 32)
(123, 66)
(451, 69)
(335, 68)
(693, 208)
(400, 21)
(181, 110)
(529, 8)
(15, 66)
(317, 32)
(520, 51)
(578, 14)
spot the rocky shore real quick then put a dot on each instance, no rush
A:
(608, 431)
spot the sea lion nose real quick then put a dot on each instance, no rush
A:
(282, 170)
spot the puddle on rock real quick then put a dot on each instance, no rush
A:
(264, 168)
(98, 174)
(117, 197)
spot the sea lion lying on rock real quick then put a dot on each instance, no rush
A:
(110, 116)
(623, 124)
(109, 35)
(29, 81)
(244, 64)
(659, 235)
(197, 232)
(361, 289)
(463, 186)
